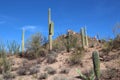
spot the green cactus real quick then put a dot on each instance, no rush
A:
(96, 64)
(23, 31)
(90, 77)
(86, 37)
(82, 37)
(68, 46)
(51, 29)
(95, 72)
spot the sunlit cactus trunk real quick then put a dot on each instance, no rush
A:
(86, 37)
(96, 64)
(51, 29)
(23, 31)
(83, 37)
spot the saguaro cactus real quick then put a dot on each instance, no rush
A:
(83, 37)
(86, 37)
(96, 64)
(23, 31)
(51, 29)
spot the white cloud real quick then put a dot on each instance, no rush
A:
(29, 27)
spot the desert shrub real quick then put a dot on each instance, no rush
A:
(34, 45)
(2, 51)
(43, 76)
(111, 74)
(116, 31)
(76, 57)
(111, 44)
(22, 71)
(33, 70)
(70, 42)
(1, 66)
(13, 47)
(57, 46)
(116, 42)
(51, 57)
(50, 70)
(9, 76)
(108, 46)
(60, 77)
(5, 65)
(65, 70)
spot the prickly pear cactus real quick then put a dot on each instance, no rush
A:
(96, 64)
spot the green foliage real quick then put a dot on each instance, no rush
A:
(13, 47)
(108, 46)
(116, 42)
(34, 45)
(76, 57)
(95, 73)
(96, 64)
(4, 61)
(70, 42)
(91, 77)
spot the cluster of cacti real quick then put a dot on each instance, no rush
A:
(51, 29)
(95, 74)
(84, 38)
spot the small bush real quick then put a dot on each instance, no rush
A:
(9, 76)
(76, 57)
(65, 70)
(22, 71)
(50, 70)
(43, 76)
(108, 46)
(13, 47)
(111, 74)
(34, 45)
(70, 41)
(33, 70)
(116, 42)
(60, 77)
(51, 57)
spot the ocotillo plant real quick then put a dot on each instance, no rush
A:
(96, 64)
(23, 31)
(83, 37)
(86, 37)
(51, 29)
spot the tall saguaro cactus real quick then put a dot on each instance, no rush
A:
(83, 37)
(96, 64)
(23, 31)
(51, 29)
(86, 37)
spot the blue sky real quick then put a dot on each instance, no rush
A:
(99, 16)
